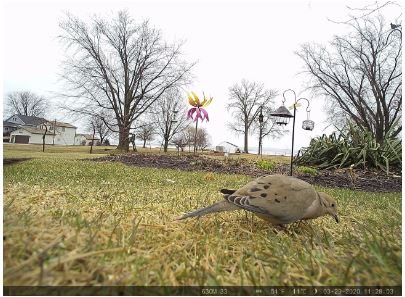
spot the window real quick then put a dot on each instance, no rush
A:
(51, 128)
(63, 129)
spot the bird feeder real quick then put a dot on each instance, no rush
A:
(261, 116)
(308, 124)
(282, 115)
(174, 117)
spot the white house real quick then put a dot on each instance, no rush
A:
(86, 139)
(16, 121)
(227, 147)
(64, 133)
(8, 127)
(32, 129)
(31, 135)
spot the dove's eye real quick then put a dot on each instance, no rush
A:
(333, 205)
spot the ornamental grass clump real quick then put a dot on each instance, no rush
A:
(353, 148)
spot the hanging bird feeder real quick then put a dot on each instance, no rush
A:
(308, 124)
(282, 116)
(261, 117)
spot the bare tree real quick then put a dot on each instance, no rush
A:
(145, 132)
(170, 115)
(189, 135)
(181, 140)
(363, 12)
(97, 124)
(267, 128)
(44, 138)
(26, 103)
(361, 76)
(119, 66)
(245, 101)
(202, 139)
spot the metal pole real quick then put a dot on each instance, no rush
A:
(195, 137)
(292, 145)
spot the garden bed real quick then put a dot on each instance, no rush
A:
(10, 161)
(361, 180)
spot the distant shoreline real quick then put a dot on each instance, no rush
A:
(252, 150)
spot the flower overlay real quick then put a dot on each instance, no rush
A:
(197, 111)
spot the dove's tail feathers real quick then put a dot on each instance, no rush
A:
(216, 207)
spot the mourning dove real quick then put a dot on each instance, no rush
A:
(278, 199)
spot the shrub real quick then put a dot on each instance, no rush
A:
(307, 170)
(265, 164)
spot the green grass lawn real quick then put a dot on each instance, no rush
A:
(76, 222)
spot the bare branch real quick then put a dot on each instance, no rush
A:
(119, 66)
(359, 74)
(26, 103)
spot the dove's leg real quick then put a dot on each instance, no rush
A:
(280, 227)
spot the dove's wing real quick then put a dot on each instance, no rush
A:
(281, 199)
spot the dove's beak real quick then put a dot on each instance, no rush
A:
(336, 218)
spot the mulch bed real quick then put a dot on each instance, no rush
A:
(10, 161)
(370, 181)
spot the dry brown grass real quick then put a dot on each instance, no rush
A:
(74, 222)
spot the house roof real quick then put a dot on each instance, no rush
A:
(35, 130)
(228, 143)
(9, 124)
(88, 136)
(30, 120)
(61, 124)
(36, 121)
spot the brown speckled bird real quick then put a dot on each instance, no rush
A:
(278, 199)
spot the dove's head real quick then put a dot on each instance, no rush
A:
(330, 205)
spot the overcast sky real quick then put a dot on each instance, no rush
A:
(231, 40)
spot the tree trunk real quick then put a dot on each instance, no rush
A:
(379, 135)
(144, 143)
(123, 143)
(92, 141)
(245, 145)
(165, 145)
(43, 138)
